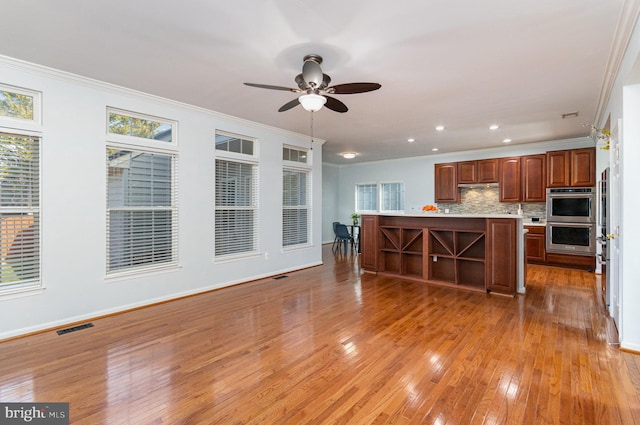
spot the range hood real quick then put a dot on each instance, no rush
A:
(478, 185)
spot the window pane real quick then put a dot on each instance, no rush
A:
(367, 197)
(234, 144)
(392, 197)
(295, 155)
(139, 127)
(15, 105)
(19, 210)
(296, 220)
(236, 207)
(142, 218)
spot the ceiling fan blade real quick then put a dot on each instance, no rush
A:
(266, 86)
(295, 102)
(335, 105)
(352, 88)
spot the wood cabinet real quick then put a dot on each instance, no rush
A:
(447, 251)
(369, 242)
(481, 171)
(571, 168)
(446, 183)
(509, 179)
(488, 170)
(534, 178)
(502, 243)
(535, 244)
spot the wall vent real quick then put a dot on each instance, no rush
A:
(74, 328)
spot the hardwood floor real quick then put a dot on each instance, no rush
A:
(330, 346)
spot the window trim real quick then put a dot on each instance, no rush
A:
(381, 195)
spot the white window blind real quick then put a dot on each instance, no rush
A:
(296, 207)
(142, 215)
(367, 197)
(19, 212)
(236, 210)
(392, 196)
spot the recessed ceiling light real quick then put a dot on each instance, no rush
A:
(494, 127)
(411, 140)
(434, 149)
(348, 155)
(440, 128)
(506, 141)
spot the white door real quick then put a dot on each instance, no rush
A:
(614, 196)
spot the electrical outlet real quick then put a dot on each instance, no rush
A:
(266, 255)
(435, 258)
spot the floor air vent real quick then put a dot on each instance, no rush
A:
(74, 328)
(280, 277)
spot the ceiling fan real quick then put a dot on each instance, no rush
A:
(314, 86)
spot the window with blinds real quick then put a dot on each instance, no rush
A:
(296, 207)
(19, 212)
(236, 197)
(142, 217)
(367, 197)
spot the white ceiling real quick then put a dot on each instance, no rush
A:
(464, 64)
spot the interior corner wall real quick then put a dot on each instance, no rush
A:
(73, 204)
(330, 178)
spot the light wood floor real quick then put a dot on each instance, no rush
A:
(330, 346)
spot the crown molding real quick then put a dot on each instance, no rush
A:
(68, 77)
(624, 30)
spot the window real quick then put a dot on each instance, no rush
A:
(140, 126)
(236, 183)
(296, 200)
(392, 196)
(19, 212)
(142, 217)
(19, 104)
(367, 197)
(383, 197)
(142, 214)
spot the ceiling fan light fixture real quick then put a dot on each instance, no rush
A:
(312, 102)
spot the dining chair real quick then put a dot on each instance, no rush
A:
(344, 237)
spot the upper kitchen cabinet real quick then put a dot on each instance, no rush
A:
(509, 179)
(575, 167)
(488, 170)
(534, 178)
(481, 171)
(446, 183)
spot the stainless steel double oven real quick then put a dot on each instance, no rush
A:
(571, 221)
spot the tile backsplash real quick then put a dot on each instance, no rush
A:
(485, 201)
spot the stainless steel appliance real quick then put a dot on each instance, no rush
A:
(571, 238)
(571, 222)
(571, 204)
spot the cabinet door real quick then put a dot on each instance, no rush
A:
(369, 243)
(558, 166)
(446, 183)
(487, 171)
(502, 243)
(534, 178)
(583, 167)
(467, 172)
(510, 187)
(535, 244)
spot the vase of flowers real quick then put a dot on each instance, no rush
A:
(355, 217)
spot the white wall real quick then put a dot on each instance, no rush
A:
(624, 104)
(329, 200)
(73, 202)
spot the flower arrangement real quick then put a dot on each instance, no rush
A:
(430, 208)
(602, 136)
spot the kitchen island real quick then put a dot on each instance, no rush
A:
(469, 251)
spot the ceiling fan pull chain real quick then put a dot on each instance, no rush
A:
(311, 131)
